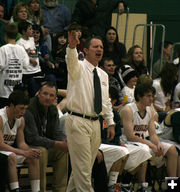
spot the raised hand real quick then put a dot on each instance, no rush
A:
(73, 39)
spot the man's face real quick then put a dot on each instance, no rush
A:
(95, 51)
(147, 99)
(47, 95)
(168, 50)
(109, 67)
(51, 3)
(19, 110)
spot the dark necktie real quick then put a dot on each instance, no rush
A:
(97, 93)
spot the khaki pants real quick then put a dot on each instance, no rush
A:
(59, 162)
(83, 137)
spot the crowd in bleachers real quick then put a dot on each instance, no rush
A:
(33, 43)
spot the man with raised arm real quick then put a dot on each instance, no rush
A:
(87, 98)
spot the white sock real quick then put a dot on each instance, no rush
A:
(144, 184)
(14, 185)
(113, 176)
(35, 185)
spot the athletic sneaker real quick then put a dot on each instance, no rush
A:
(127, 187)
(144, 188)
(119, 187)
(115, 188)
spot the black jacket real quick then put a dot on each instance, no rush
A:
(97, 18)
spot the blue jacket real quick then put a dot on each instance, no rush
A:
(56, 19)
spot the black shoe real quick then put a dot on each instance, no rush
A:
(127, 187)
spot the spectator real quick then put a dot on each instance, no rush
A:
(33, 69)
(59, 45)
(59, 52)
(113, 48)
(42, 130)
(56, 16)
(35, 18)
(9, 6)
(176, 99)
(20, 13)
(13, 59)
(157, 67)
(96, 15)
(45, 58)
(11, 134)
(135, 58)
(130, 79)
(2, 25)
(107, 64)
(138, 124)
(164, 88)
(35, 13)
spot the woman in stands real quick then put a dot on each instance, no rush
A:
(135, 58)
(164, 86)
(113, 48)
(35, 18)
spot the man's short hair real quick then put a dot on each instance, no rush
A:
(23, 26)
(142, 88)
(11, 31)
(88, 41)
(105, 59)
(48, 84)
(18, 98)
(166, 44)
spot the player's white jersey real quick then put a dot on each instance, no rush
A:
(140, 123)
(9, 133)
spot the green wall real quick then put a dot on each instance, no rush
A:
(165, 12)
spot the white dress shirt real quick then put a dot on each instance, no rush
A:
(80, 90)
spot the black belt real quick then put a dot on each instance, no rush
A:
(83, 116)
